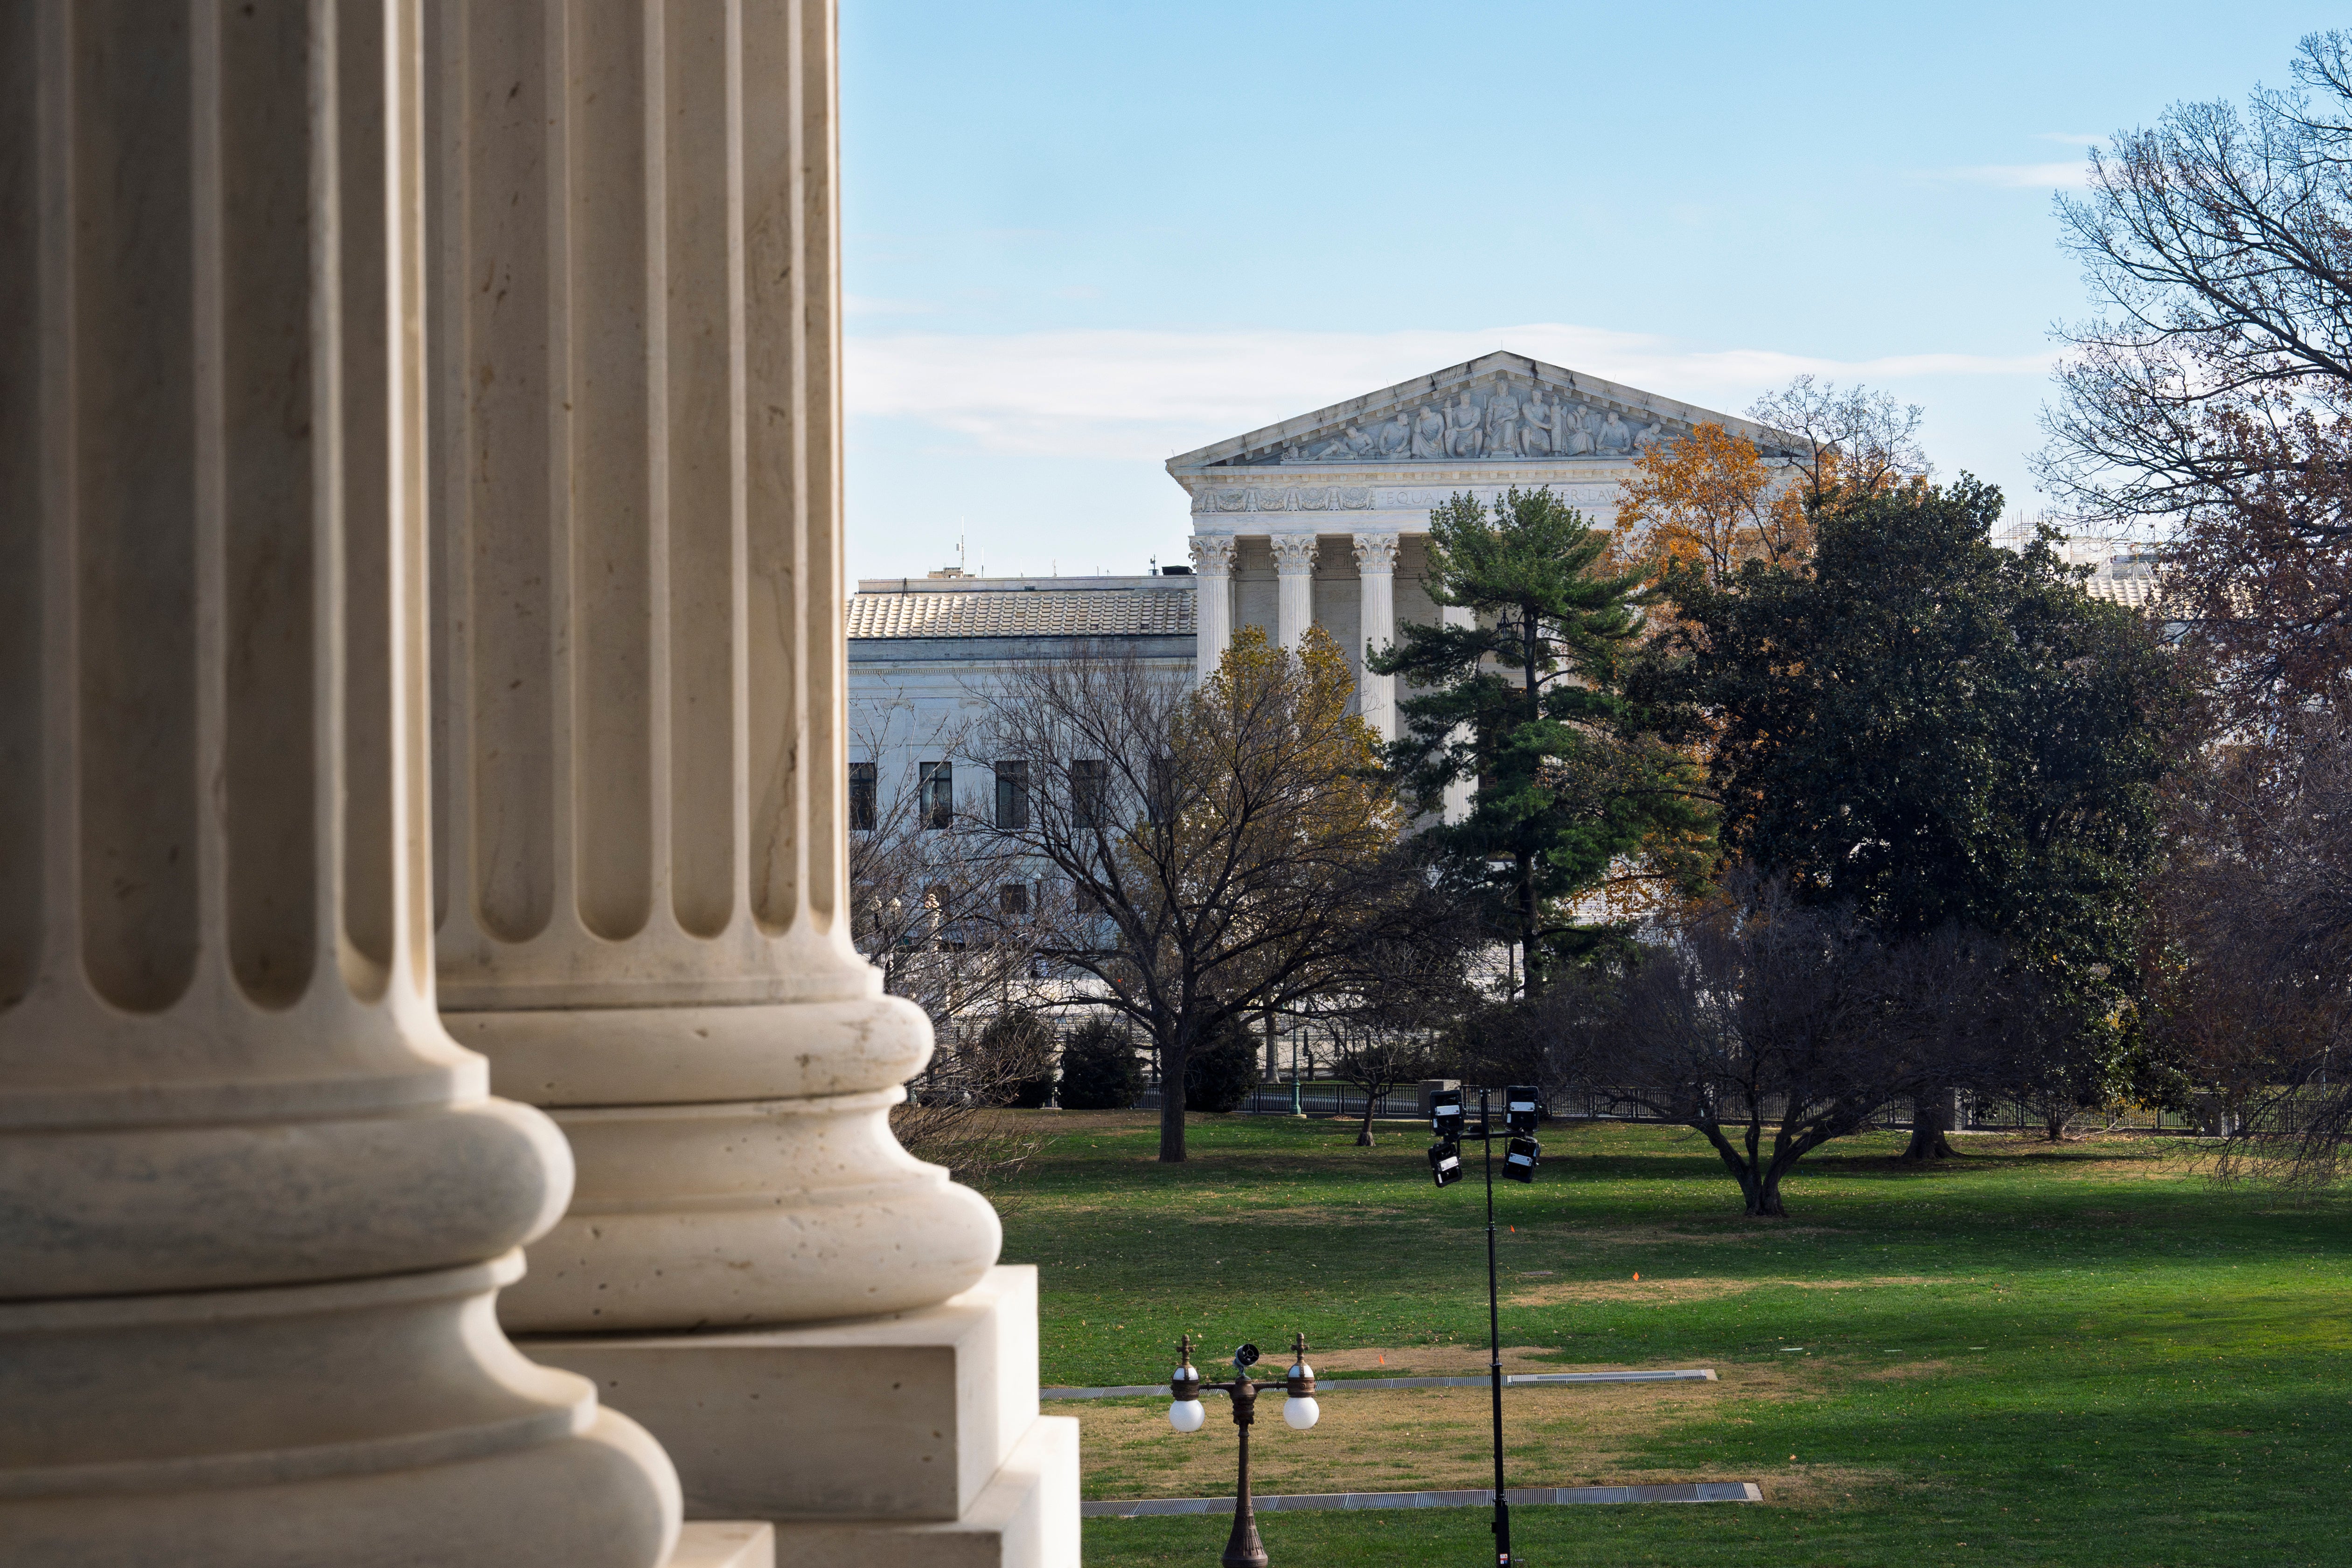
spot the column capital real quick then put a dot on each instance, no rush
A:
(1213, 554)
(1294, 554)
(1376, 552)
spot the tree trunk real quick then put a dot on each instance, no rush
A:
(1928, 1126)
(1364, 1133)
(1764, 1197)
(1172, 1104)
(1527, 866)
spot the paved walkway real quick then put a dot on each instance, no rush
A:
(1518, 1497)
(1339, 1384)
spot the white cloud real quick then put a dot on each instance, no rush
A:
(2071, 176)
(1130, 395)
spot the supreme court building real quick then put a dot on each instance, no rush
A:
(1325, 517)
(1322, 518)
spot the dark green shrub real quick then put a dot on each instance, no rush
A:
(1220, 1070)
(1014, 1060)
(1099, 1072)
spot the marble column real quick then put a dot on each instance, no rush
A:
(257, 1205)
(1375, 571)
(647, 929)
(1294, 569)
(1459, 793)
(1212, 573)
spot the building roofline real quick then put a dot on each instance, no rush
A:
(1500, 361)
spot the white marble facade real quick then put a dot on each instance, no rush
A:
(1325, 517)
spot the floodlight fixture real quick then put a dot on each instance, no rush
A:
(1523, 1108)
(1445, 1164)
(1445, 1113)
(1520, 1164)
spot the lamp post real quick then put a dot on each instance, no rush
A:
(1243, 1548)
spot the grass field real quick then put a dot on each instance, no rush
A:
(2083, 1355)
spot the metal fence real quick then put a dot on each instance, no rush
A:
(1598, 1102)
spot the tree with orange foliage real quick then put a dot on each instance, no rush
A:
(1709, 502)
(1713, 499)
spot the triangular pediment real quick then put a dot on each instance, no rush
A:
(1498, 408)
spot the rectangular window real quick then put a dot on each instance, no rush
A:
(862, 811)
(1162, 803)
(1012, 796)
(1012, 899)
(1090, 794)
(938, 786)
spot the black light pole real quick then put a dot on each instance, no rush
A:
(1523, 1153)
(1495, 1342)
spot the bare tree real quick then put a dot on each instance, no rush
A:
(2254, 946)
(1771, 1028)
(931, 906)
(1851, 438)
(2211, 398)
(1400, 999)
(1211, 853)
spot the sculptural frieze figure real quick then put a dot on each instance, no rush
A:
(1502, 422)
(1649, 435)
(1572, 437)
(1536, 427)
(1396, 436)
(1616, 435)
(1429, 432)
(1464, 437)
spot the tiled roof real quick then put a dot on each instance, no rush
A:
(1025, 613)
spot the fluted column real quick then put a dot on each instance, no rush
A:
(647, 927)
(1294, 570)
(254, 1205)
(1212, 572)
(1376, 570)
(1458, 794)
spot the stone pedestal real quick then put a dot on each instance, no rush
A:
(725, 1543)
(257, 1205)
(908, 1416)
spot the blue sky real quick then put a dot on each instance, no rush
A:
(1079, 239)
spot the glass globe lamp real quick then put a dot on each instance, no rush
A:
(1298, 1406)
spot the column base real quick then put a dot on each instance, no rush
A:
(382, 1420)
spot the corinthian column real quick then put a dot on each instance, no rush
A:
(257, 1203)
(1294, 569)
(1213, 570)
(1376, 570)
(648, 926)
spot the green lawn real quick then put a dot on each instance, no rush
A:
(2081, 1355)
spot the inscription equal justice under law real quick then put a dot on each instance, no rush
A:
(1503, 421)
